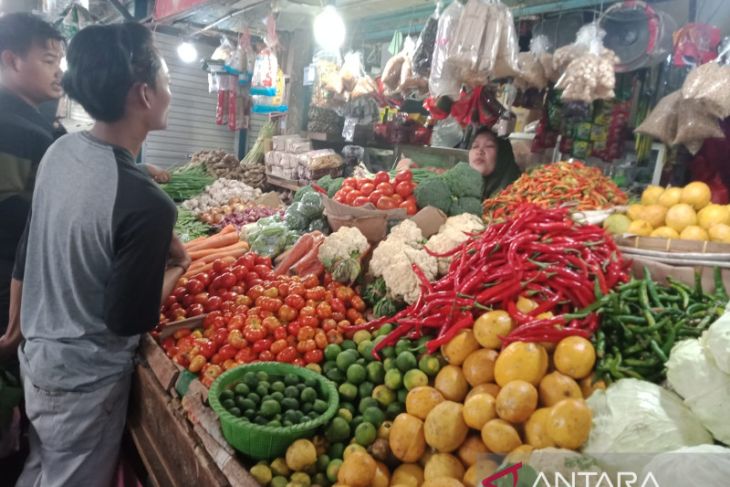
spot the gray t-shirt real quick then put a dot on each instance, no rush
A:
(92, 262)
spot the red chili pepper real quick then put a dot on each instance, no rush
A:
(463, 322)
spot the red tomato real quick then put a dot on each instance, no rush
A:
(404, 176)
(358, 303)
(353, 315)
(288, 355)
(336, 305)
(265, 313)
(236, 340)
(307, 311)
(179, 293)
(381, 177)
(298, 290)
(340, 198)
(397, 198)
(169, 301)
(278, 346)
(218, 322)
(310, 281)
(295, 301)
(207, 347)
(271, 292)
(262, 260)
(261, 345)
(320, 338)
(219, 266)
(255, 292)
(214, 303)
(182, 360)
(194, 286)
(249, 260)
(299, 362)
(271, 323)
(386, 189)
(324, 310)
(280, 333)
(337, 316)
(351, 197)
(229, 280)
(313, 356)
(201, 298)
(350, 183)
(262, 270)
(386, 203)
(245, 356)
(361, 201)
(329, 324)
(266, 356)
(229, 296)
(227, 352)
(305, 333)
(287, 313)
(367, 188)
(195, 310)
(312, 321)
(334, 336)
(243, 300)
(306, 346)
(220, 337)
(203, 277)
(316, 293)
(375, 196)
(197, 363)
(409, 206)
(404, 188)
(293, 328)
(187, 300)
(253, 333)
(343, 325)
(208, 321)
(283, 288)
(344, 294)
(240, 272)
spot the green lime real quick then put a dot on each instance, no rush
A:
(338, 430)
(226, 394)
(289, 403)
(235, 411)
(376, 372)
(384, 330)
(366, 433)
(349, 406)
(228, 403)
(348, 391)
(388, 364)
(275, 423)
(320, 478)
(261, 473)
(345, 359)
(401, 395)
(415, 378)
(393, 410)
(333, 468)
(277, 396)
(345, 414)
(279, 481)
(348, 345)
(329, 365)
(313, 415)
(266, 398)
(278, 386)
(254, 397)
(430, 365)
(299, 415)
(361, 336)
(320, 406)
(357, 421)
(241, 389)
(366, 389)
(336, 375)
(314, 368)
(361, 361)
(270, 408)
(301, 386)
(423, 341)
(403, 345)
(260, 420)
(290, 416)
(308, 395)
(291, 379)
(374, 415)
(365, 349)
(388, 352)
(244, 404)
(292, 392)
(301, 479)
(262, 376)
(406, 361)
(307, 407)
(383, 395)
(356, 374)
(393, 379)
(249, 378)
(331, 351)
(279, 467)
(311, 382)
(367, 403)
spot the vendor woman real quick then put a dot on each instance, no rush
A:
(492, 157)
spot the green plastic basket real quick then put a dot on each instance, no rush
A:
(266, 442)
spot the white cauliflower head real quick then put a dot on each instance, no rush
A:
(452, 234)
(344, 243)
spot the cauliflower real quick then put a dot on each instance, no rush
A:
(345, 243)
(392, 260)
(451, 235)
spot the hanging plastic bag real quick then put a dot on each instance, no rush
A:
(531, 64)
(224, 51)
(661, 123)
(473, 50)
(506, 61)
(709, 85)
(447, 133)
(423, 53)
(409, 82)
(442, 80)
(695, 124)
(266, 68)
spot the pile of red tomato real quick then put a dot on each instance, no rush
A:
(382, 191)
(262, 318)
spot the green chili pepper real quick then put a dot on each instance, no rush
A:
(658, 351)
(698, 284)
(720, 290)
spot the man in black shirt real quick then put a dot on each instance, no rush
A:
(30, 74)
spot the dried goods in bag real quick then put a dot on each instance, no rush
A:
(423, 54)
(532, 72)
(695, 124)
(709, 84)
(473, 49)
(661, 123)
(506, 61)
(442, 81)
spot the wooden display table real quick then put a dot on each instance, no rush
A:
(178, 438)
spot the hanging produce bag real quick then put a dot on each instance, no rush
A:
(532, 72)
(266, 67)
(423, 54)
(443, 81)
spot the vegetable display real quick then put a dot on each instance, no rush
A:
(541, 254)
(642, 321)
(188, 227)
(187, 182)
(219, 194)
(204, 251)
(243, 214)
(459, 190)
(342, 252)
(382, 192)
(570, 184)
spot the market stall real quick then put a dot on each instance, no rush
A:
(352, 319)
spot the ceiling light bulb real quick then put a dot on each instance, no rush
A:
(187, 52)
(329, 29)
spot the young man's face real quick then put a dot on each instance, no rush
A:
(36, 75)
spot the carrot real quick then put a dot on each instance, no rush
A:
(237, 252)
(311, 258)
(216, 241)
(198, 254)
(227, 260)
(299, 250)
(193, 242)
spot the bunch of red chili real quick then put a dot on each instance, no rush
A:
(540, 254)
(561, 184)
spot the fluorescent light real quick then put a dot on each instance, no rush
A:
(329, 29)
(187, 52)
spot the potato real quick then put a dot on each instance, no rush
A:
(500, 436)
(407, 440)
(478, 367)
(516, 401)
(463, 344)
(451, 382)
(445, 429)
(357, 471)
(478, 410)
(421, 400)
(443, 465)
(569, 423)
(408, 474)
(536, 429)
(555, 387)
(521, 361)
(472, 449)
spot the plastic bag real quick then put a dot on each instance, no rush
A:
(224, 51)
(709, 84)
(447, 133)
(695, 124)
(532, 73)
(271, 240)
(423, 54)
(505, 64)
(409, 81)
(704, 464)
(661, 123)
(442, 81)
(475, 44)
(265, 71)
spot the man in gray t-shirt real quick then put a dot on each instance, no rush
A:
(97, 255)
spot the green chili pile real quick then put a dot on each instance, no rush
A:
(642, 320)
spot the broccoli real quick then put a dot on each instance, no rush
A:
(464, 181)
(434, 192)
(466, 204)
(301, 192)
(334, 186)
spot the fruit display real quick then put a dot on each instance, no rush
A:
(381, 191)
(675, 213)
